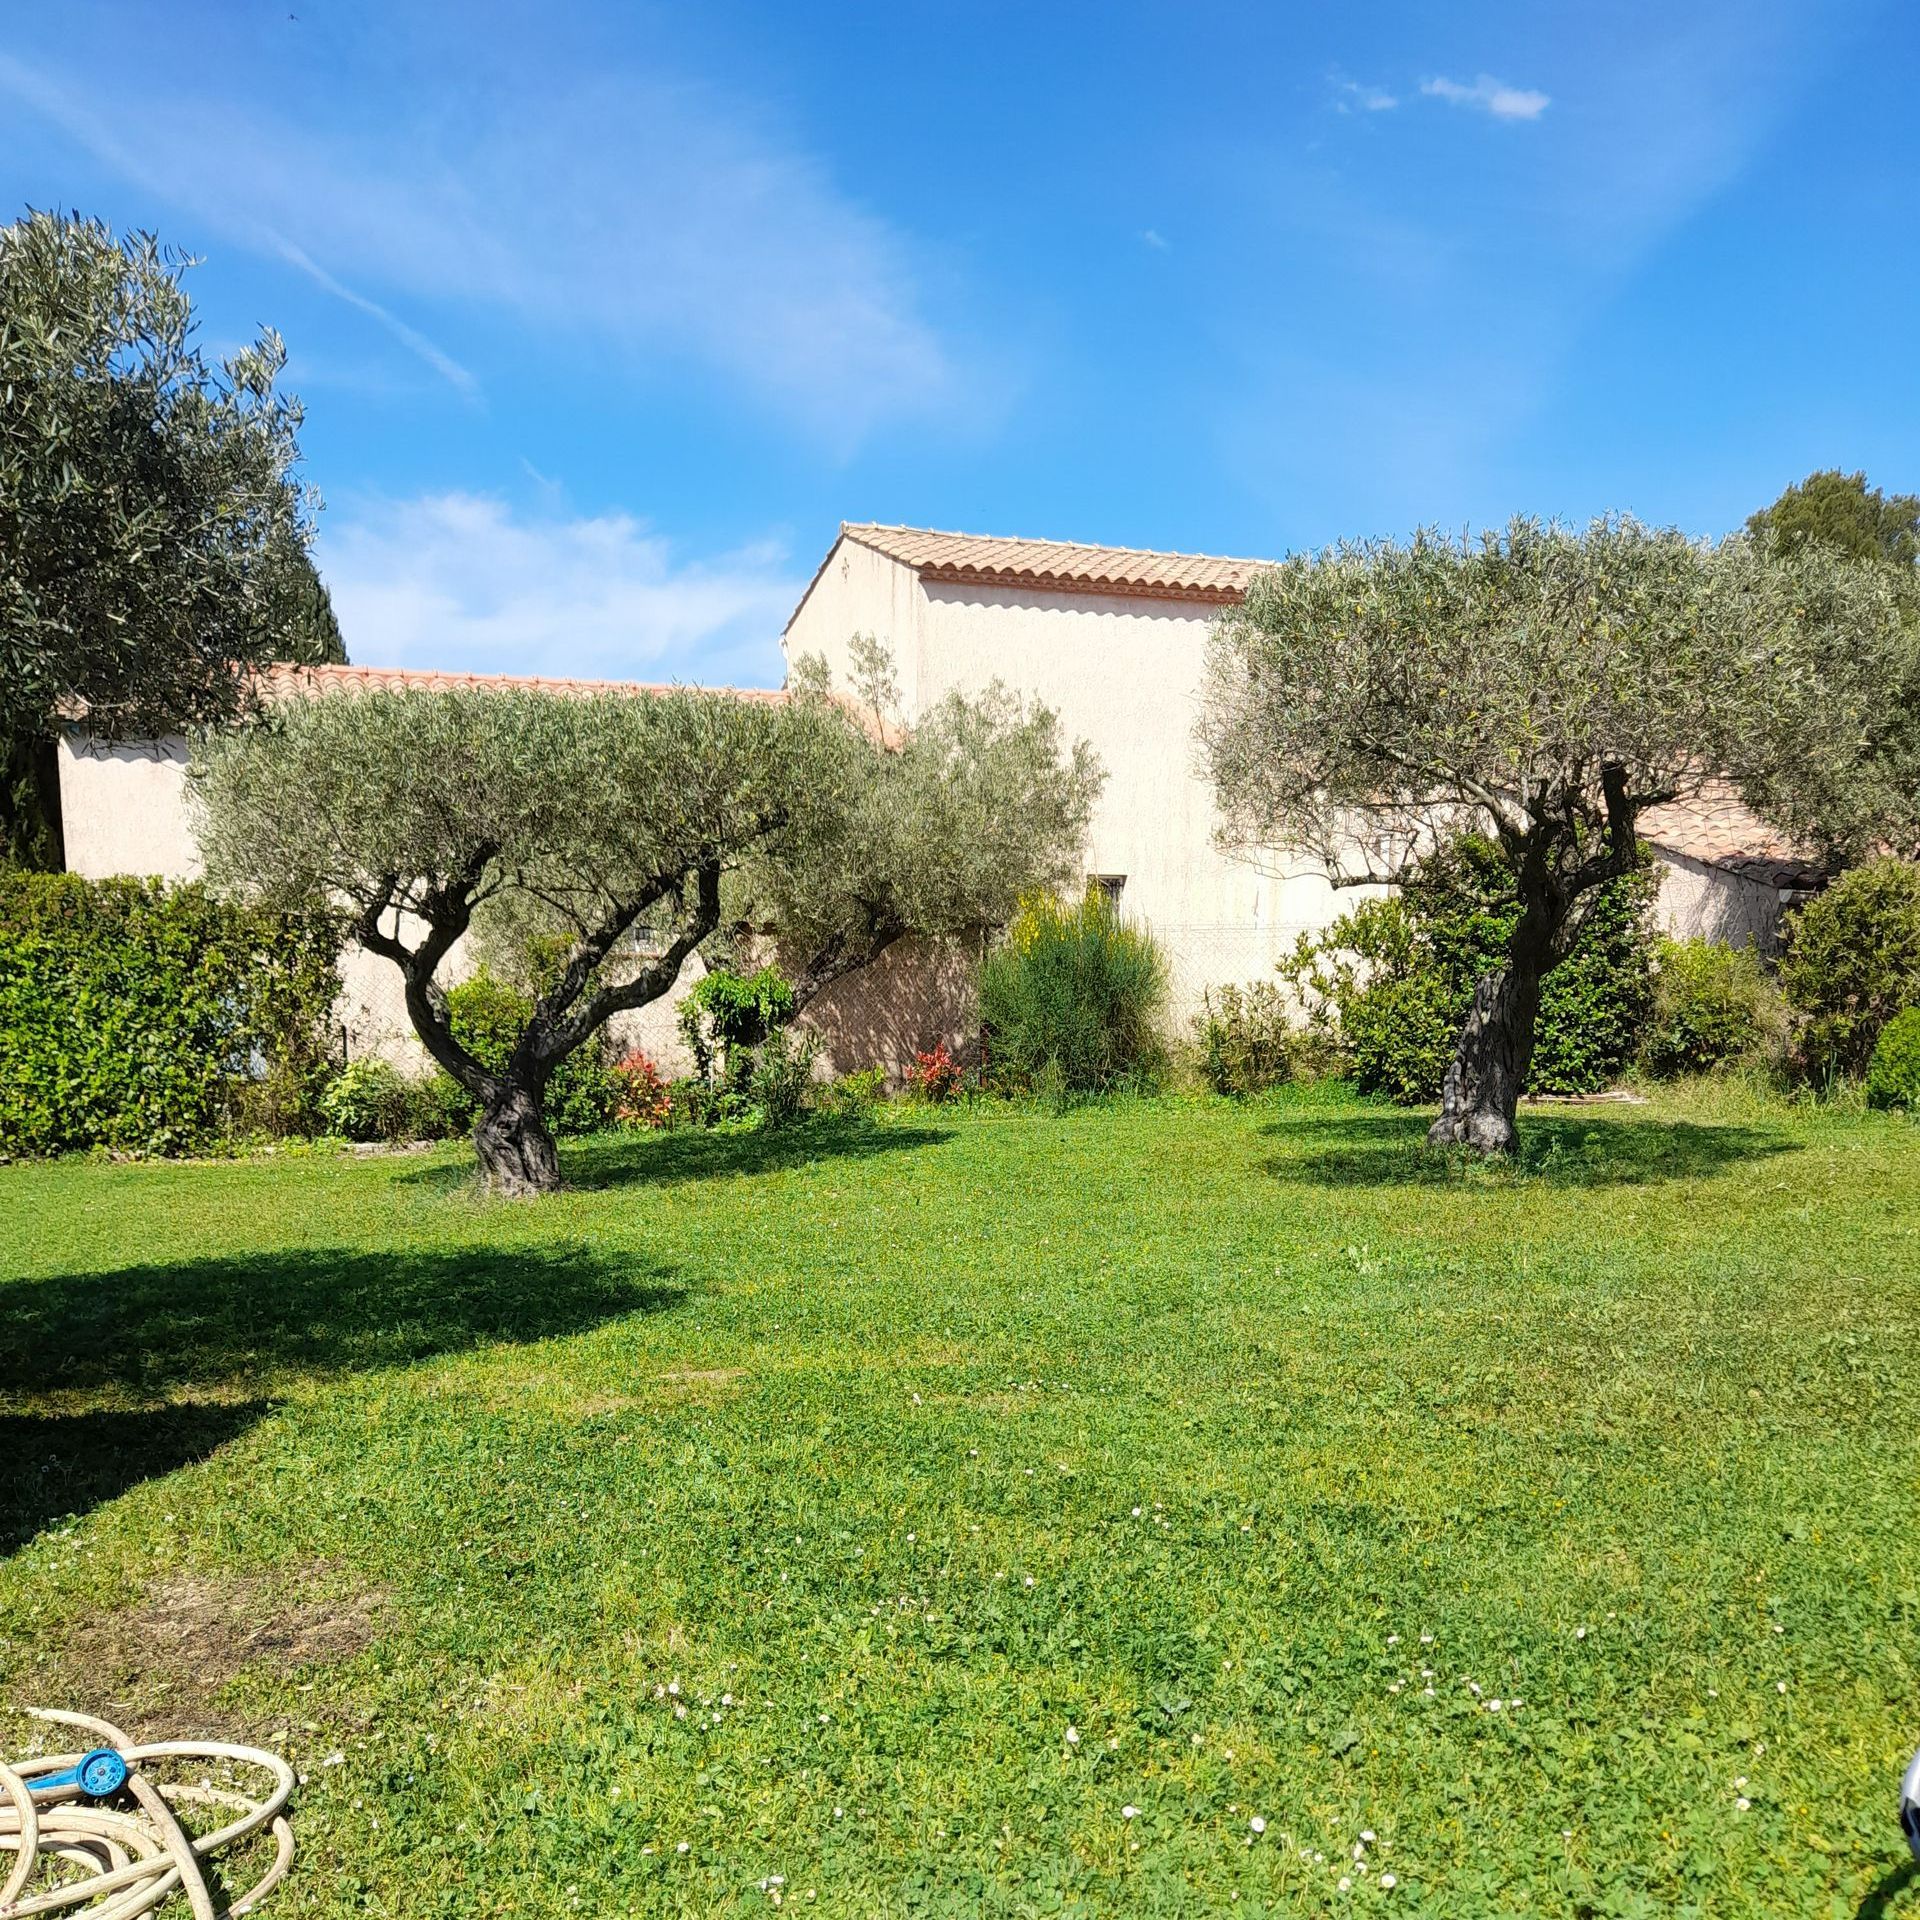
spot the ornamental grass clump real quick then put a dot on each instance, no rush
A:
(1072, 1001)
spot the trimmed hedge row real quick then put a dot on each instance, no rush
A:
(155, 1018)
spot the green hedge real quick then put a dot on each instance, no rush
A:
(155, 1018)
(1392, 980)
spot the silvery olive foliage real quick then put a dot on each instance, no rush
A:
(611, 816)
(934, 828)
(1835, 759)
(153, 535)
(1542, 684)
(610, 828)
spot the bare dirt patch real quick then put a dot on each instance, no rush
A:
(190, 1634)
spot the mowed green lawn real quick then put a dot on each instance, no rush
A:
(1000, 1513)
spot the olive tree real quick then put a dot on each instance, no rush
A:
(153, 535)
(614, 816)
(1837, 763)
(931, 829)
(1540, 684)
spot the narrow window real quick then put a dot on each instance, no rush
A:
(1110, 885)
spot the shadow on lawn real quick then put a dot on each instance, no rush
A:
(686, 1154)
(63, 1465)
(247, 1318)
(215, 1337)
(1559, 1149)
(1878, 1902)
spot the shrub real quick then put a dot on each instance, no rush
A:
(155, 1018)
(640, 1091)
(368, 1101)
(1893, 1074)
(438, 1107)
(855, 1095)
(728, 1014)
(1713, 1006)
(1851, 962)
(1391, 980)
(1248, 1038)
(1071, 1001)
(781, 1081)
(935, 1075)
(488, 1017)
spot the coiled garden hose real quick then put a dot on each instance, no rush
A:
(91, 1830)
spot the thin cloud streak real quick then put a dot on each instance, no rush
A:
(411, 338)
(1490, 96)
(644, 219)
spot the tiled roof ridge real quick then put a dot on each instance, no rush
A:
(854, 528)
(347, 677)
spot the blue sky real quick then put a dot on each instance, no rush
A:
(605, 316)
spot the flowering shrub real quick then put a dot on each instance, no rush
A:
(640, 1097)
(934, 1076)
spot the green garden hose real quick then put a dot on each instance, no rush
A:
(92, 1832)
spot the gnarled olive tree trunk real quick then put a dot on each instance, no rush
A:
(1481, 1093)
(518, 1158)
(1556, 878)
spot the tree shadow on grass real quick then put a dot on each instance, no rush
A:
(676, 1157)
(108, 1379)
(1557, 1149)
(1878, 1903)
(59, 1466)
(247, 1320)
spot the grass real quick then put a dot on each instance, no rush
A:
(773, 1506)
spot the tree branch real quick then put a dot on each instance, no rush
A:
(697, 920)
(845, 953)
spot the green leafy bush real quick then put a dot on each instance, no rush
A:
(155, 1018)
(1851, 961)
(1250, 1038)
(369, 1101)
(1713, 1006)
(854, 1096)
(1893, 1074)
(438, 1107)
(1071, 1002)
(781, 1084)
(727, 1015)
(488, 1016)
(1391, 980)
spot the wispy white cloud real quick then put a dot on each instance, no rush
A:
(459, 580)
(1352, 96)
(641, 219)
(1151, 237)
(416, 342)
(1488, 95)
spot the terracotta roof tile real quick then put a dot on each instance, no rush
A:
(1061, 566)
(289, 680)
(1717, 828)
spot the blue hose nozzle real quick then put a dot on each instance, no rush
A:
(100, 1774)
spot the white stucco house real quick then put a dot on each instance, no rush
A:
(1114, 638)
